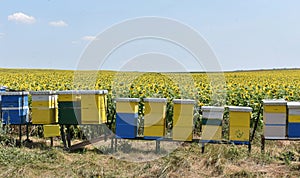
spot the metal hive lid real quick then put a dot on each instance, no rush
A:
(45, 92)
(9, 93)
(127, 100)
(240, 108)
(184, 101)
(293, 105)
(274, 102)
(67, 92)
(92, 92)
(213, 108)
(155, 100)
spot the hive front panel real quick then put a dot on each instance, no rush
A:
(183, 116)
(126, 118)
(293, 119)
(275, 119)
(14, 106)
(239, 123)
(212, 118)
(154, 117)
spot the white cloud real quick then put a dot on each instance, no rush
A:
(88, 38)
(21, 18)
(59, 23)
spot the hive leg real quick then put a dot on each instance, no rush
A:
(63, 136)
(68, 136)
(20, 135)
(262, 144)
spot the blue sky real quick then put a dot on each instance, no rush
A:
(256, 34)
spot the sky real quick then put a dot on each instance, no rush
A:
(244, 35)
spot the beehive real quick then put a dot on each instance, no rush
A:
(183, 119)
(69, 107)
(212, 118)
(14, 106)
(127, 115)
(293, 119)
(154, 117)
(44, 108)
(239, 123)
(2, 89)
(51, 130)
(275, 118)
(93, 106)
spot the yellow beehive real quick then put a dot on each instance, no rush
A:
(274, 108)
(239, 133)
(42, 99)
(183, 108)
(127, 105)
(43, 116)
(182, 133)
(103, 108)
(183, 120)
(90, 116)
(155, 105)
(51, 130)
(183, 113)
(68, 95)
(155, 117)
(210, 132)
(44, 107)
(239, 123)
(91, 111)
(155, 111)
(239, 118)
(154, 131)
(48, 104)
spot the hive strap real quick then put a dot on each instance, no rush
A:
(216, 122)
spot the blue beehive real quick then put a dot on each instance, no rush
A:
(293, 119)
(14, 107)
(127, 116)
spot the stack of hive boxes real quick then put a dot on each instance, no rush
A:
(293, 119)
(212, 118)
(127, 116)
(45, 111)
(183, 119)
(275, 118)
(44, 105)
(239, 123)
(69, 107)
(14, 106)
(154, 118)
(93, 107)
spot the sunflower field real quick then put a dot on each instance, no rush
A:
(242, 88)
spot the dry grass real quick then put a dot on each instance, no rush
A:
(280, 160)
